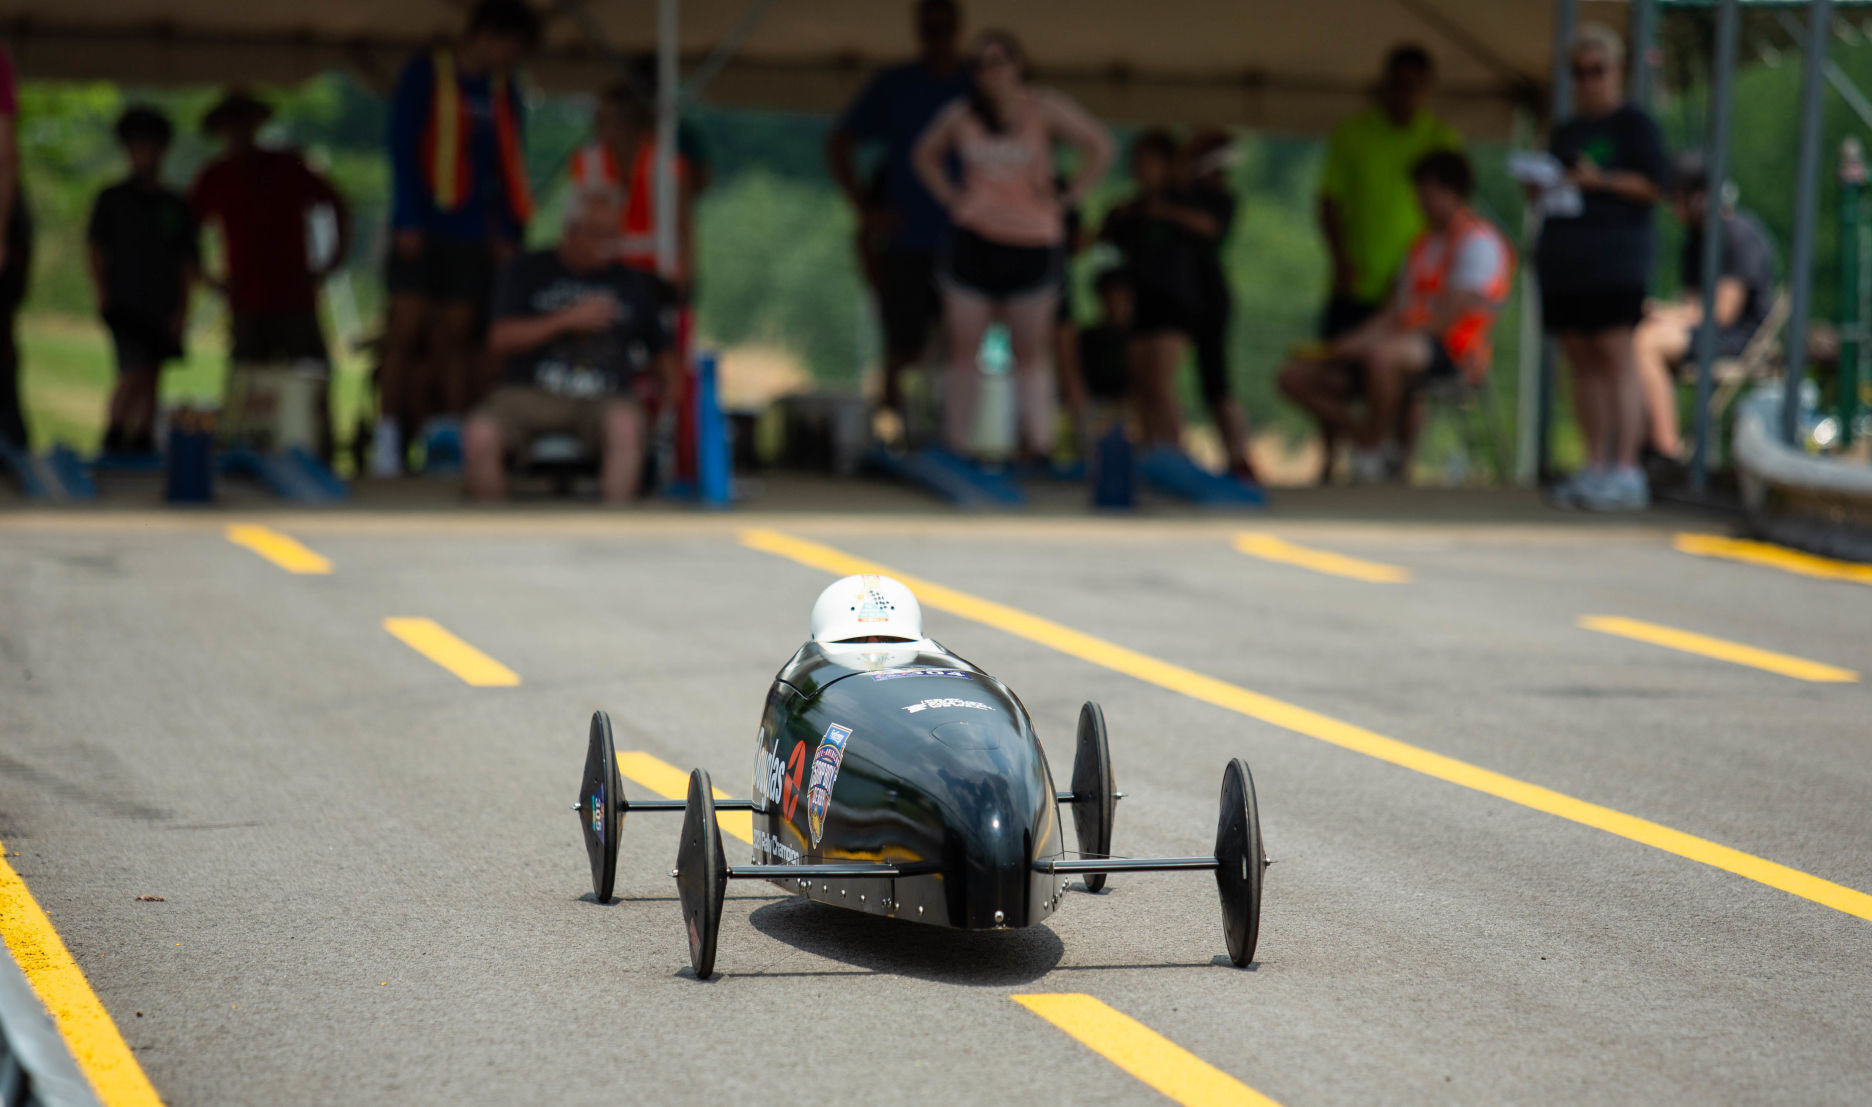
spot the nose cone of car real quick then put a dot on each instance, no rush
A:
(989, 867)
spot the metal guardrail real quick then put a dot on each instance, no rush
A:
(1812, 503)
(36, 1070)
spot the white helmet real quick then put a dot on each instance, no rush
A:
(866, 607)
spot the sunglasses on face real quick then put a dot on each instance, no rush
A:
(991, 61)
(1590, 70)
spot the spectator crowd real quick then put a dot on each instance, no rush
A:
(968, 217)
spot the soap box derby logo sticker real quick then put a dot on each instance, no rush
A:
(927, 705)
(825, 768)
(894, 674)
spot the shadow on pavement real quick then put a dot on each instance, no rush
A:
(982, 959)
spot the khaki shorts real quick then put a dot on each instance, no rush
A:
(523, 414)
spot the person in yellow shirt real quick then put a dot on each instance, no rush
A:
(1368, 208)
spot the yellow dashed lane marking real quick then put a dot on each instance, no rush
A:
(1719, 648)
(1142, 1052)
(1773, 557)
(281, 550)
(1325, 728)
(1269, 548)
(433, 641)
(89, 1033)
(670, 782)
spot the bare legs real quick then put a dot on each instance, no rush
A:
(484, 455)
(1661, 341)
(965, 321)
(1029, 322)
(133, 405)
(1606, 396)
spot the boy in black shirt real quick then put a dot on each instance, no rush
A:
(144, 255)
(576, 331)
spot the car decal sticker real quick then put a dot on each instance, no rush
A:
(825, 768)
(894, 674)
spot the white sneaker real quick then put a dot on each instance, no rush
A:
(1576, 488)
(1370, 466)
(1622, 490)
(386, 450)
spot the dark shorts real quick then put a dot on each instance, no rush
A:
(448, 269)
(523, 414)
(975, 266)
(1158, 312)
(140, 343)
(277, 338)
(907, 301)
(1343, 313)
(1591, 312)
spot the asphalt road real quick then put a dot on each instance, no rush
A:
(373, 891)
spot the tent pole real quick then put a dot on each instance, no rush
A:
(1560, 105)
(1806, 201)
(724, 51)
(1722, 90)
(1644, 28)
(1528, 345)
(668, 109)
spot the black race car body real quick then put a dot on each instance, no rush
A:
(904, 781)
(913, 758)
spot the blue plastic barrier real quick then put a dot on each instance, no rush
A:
(996, 486)
(58, 474)
(1114, 471)
(293, 474)
(714, 463)
(1170, 471)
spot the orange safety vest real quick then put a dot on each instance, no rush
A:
(445, 143)
(595, 166)
(1427, 273)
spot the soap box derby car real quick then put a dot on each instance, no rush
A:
(895, 778)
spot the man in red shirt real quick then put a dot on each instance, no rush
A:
(261, 199)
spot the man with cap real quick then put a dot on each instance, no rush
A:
(261, 199)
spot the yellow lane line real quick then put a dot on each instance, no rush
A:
(1772, 556)
(1719, 648)
(433, 641)
(670, 782)
(1325, 728)
(1142, 1052)
(1269, 548)
(281, 550)
(89, 1033)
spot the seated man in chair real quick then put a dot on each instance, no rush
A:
(1745, 289)
(575, 331)
(1436, 328)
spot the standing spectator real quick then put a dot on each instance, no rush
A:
(460, 203)
(1206, 188)
(1745, 286)
(1455, 278)
(1594, 257)
(143, 258)
(576, 329)
(15, 257)
(1006, 254)
(892, 111)
(623, 159)
(1156, 233)
(262, 200)
(1367, 209)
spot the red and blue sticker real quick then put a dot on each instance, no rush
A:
(825, 769)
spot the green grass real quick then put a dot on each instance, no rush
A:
(67, 374)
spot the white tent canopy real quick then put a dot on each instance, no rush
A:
(1264, 63)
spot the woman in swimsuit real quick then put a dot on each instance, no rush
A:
(1006, 255)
